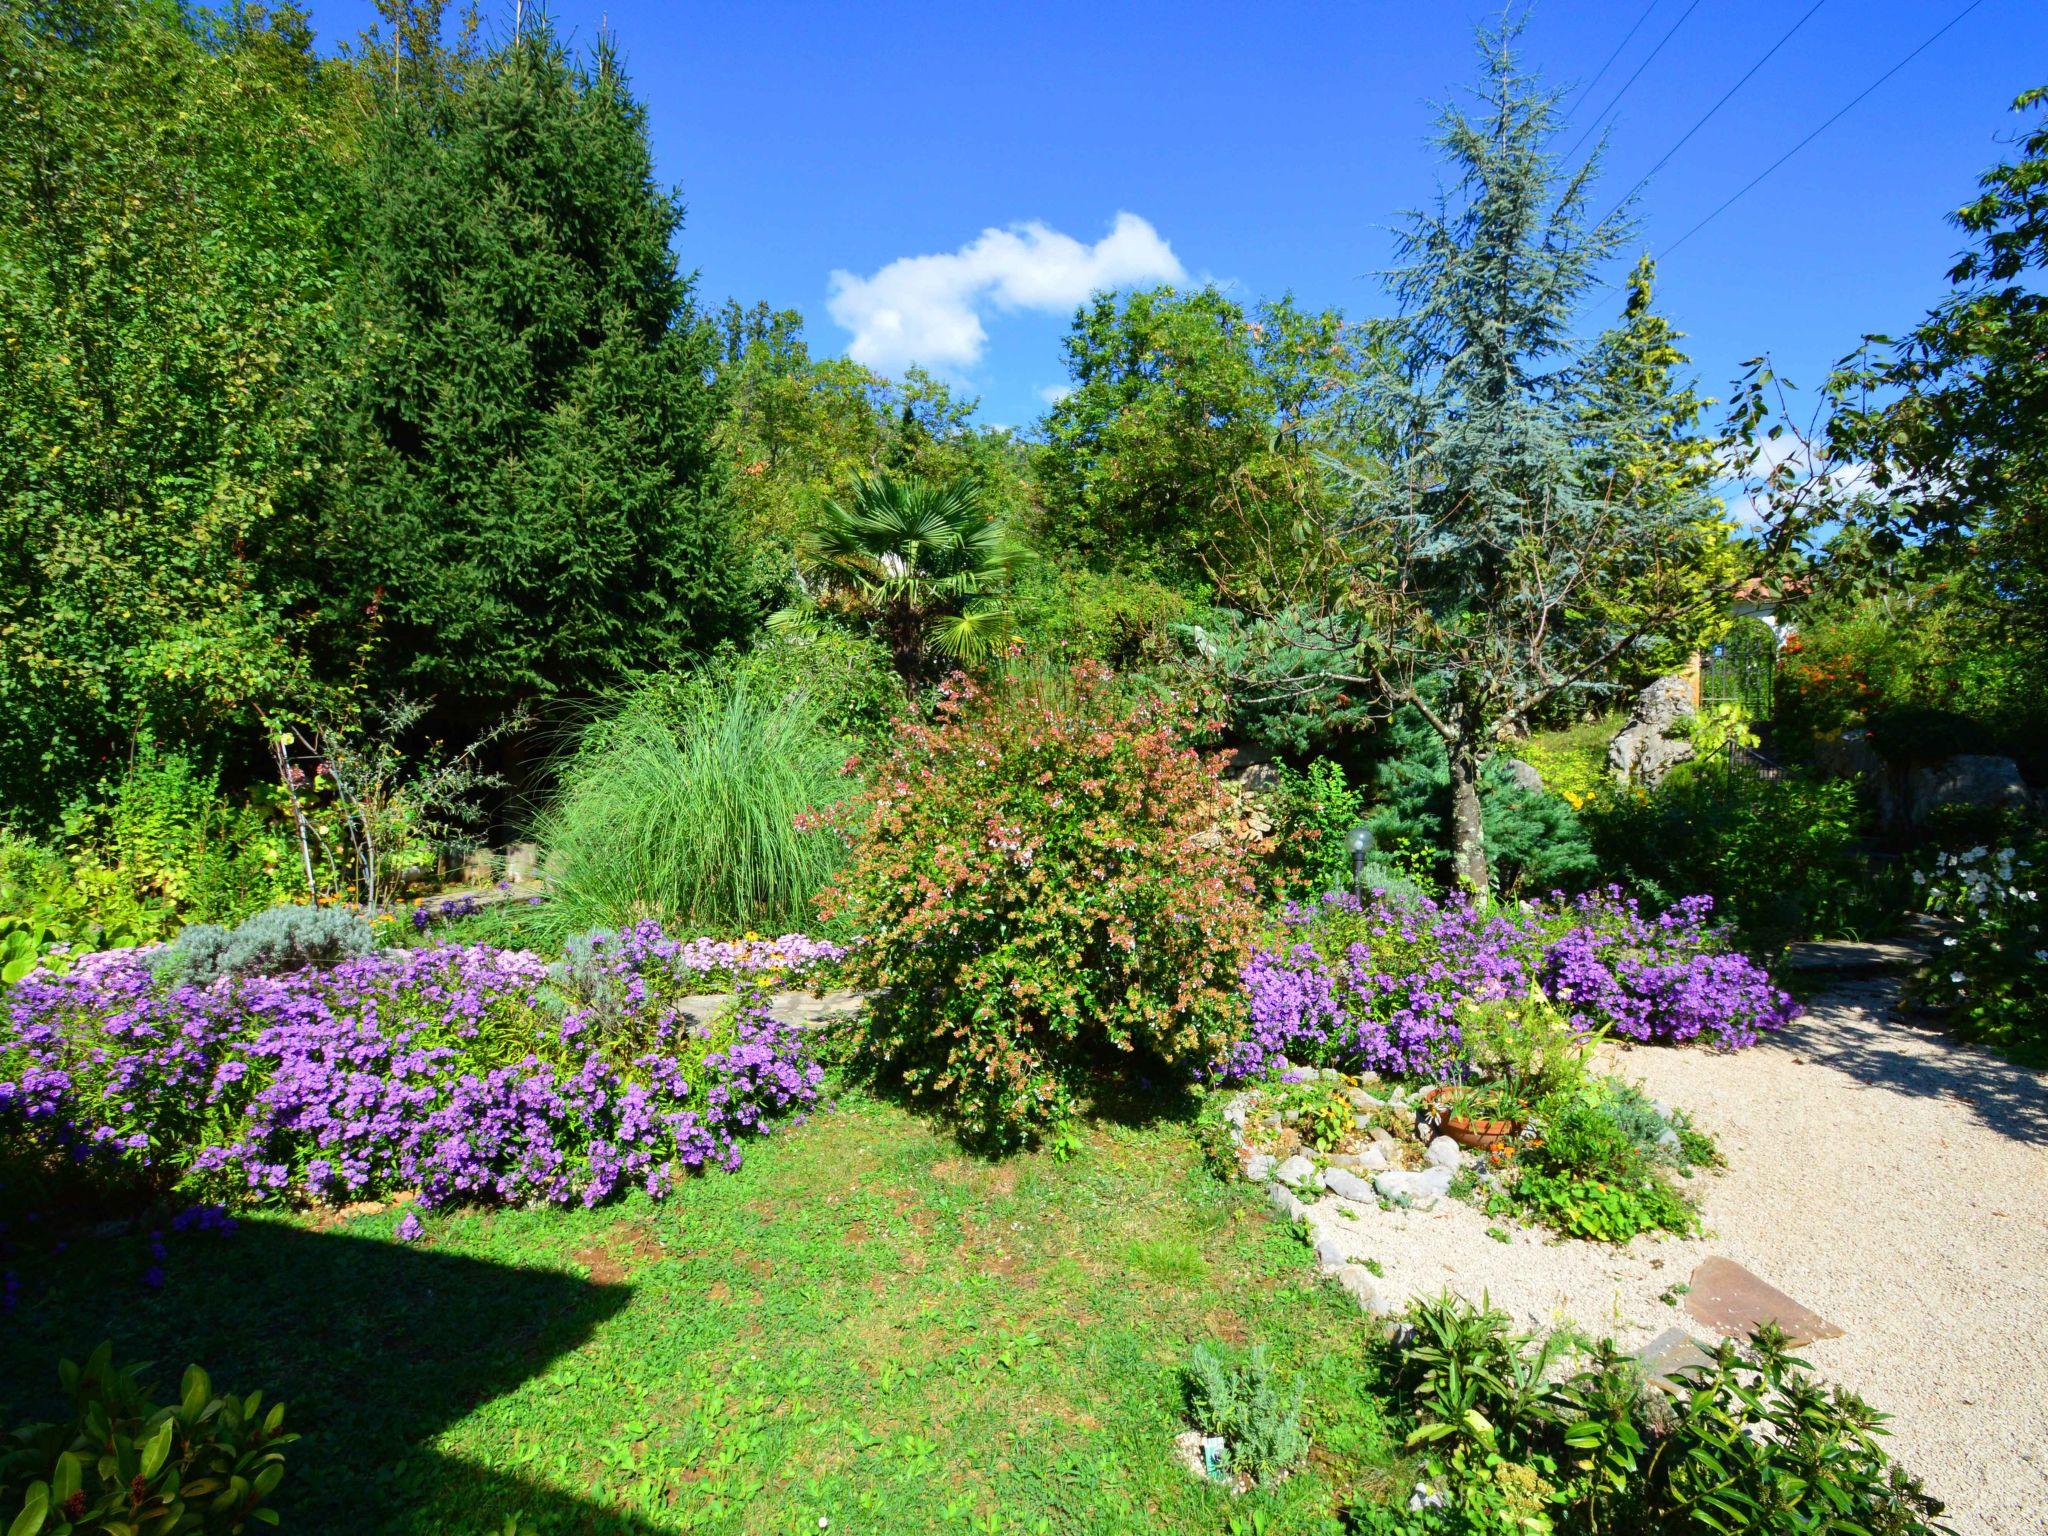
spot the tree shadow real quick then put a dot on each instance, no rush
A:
(1867, 1036)
(376, 1348)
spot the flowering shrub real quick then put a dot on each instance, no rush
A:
(1049, 897)
(1991, 972)
(466, 1072)
(1378, 984)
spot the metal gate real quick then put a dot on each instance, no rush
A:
(1740, 669)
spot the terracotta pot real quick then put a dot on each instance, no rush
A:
(1479, 1134)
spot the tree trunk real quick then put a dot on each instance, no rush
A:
(1468, 831)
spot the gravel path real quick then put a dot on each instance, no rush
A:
(1889, 1179)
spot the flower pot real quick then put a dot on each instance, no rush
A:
(1476, 1132)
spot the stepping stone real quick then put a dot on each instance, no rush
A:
(1735, 1303)
(1845, 958)
(1669, 1353)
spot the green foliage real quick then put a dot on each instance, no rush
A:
(1594, 1170)
(271, 943)
(172, 189)
(1746, 1441)
(1525, 1045)
(1189, 428)
(530, 467)
(120, 1464)
(1956, 452)
(1990, 977)
(686, 806)
(1071, 613)
(1313, 813)
(1270, 668)
(1572, 760)
(1534, 841)
(1249, 1408)
(1051, 901)
(1645, 418)
(920, 563)
(159, 849)
(794, 430)
(1781, 857)
(846, 677)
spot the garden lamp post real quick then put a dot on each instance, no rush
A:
(1360, 844)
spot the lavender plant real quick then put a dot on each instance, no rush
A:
(462, 1071)
(1378, 984)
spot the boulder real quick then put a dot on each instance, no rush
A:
(1445, 1153)
(1969, 779)
(1525, 775)
(1347, 1185)
(1258, 1167)
(1423, 1188)
(522, 863)
(1298, 1173)
(1359, 1281)
(1647, 748)
(1288, 1202)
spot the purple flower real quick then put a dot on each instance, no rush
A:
(1376, 985)
(410, 1230)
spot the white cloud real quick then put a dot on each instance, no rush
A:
(1809, 478)
(928, 309)
(1053, 394)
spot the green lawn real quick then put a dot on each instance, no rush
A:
(863, 1325)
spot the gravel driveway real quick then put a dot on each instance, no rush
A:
(1885, 1177)
(1897, 1183)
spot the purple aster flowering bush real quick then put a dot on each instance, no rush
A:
(465, 1072)
(1377, 984)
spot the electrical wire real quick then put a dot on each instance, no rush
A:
(1726, 96)
(1600, 73)
(1631, 80)
(1747, 186)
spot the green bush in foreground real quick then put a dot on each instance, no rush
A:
(1249, 1409)
(119, 1465)
(691, 817)
(1745, 1441)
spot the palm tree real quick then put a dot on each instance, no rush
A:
(922, 563)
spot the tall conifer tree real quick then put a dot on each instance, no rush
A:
(531, 456)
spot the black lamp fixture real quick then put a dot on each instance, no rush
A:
(1360, 843)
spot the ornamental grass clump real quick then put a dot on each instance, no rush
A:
(1378, 984)
(1052, 900)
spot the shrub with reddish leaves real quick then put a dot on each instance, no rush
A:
(1054, 900)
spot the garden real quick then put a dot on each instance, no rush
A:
(609, 926)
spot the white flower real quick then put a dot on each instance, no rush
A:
(1956, 977)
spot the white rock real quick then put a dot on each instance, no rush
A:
(1259, 1167)
(1445, 1153)
(1330, 1253)
(1371, 1291)
(1298, 1173)
(1284, 1198)
(1423, 1188)
(1348, 1185)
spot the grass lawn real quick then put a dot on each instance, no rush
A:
(862, 1326)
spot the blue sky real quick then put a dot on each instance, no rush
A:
(1269, 147)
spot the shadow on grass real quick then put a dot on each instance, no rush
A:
(375, 1348)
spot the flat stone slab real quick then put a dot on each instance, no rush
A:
(1735, 1303)
(1669, 1353)
(800, 1008)
(1842, 957)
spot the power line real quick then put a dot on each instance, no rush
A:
(1631, 80)
(1726, 96)
(1745, 188)
(1600, 73)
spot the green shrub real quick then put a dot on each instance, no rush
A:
(1534, 842)
(686, 809)
(1051, 901)
(1595, 1169)
(1748, 1441)
(1572, 759)
(119, 1465)
(1073, 613)
(1782, 858)
(272, 943)
(1990, 977)
(1314, 811)
(1248, 1407)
